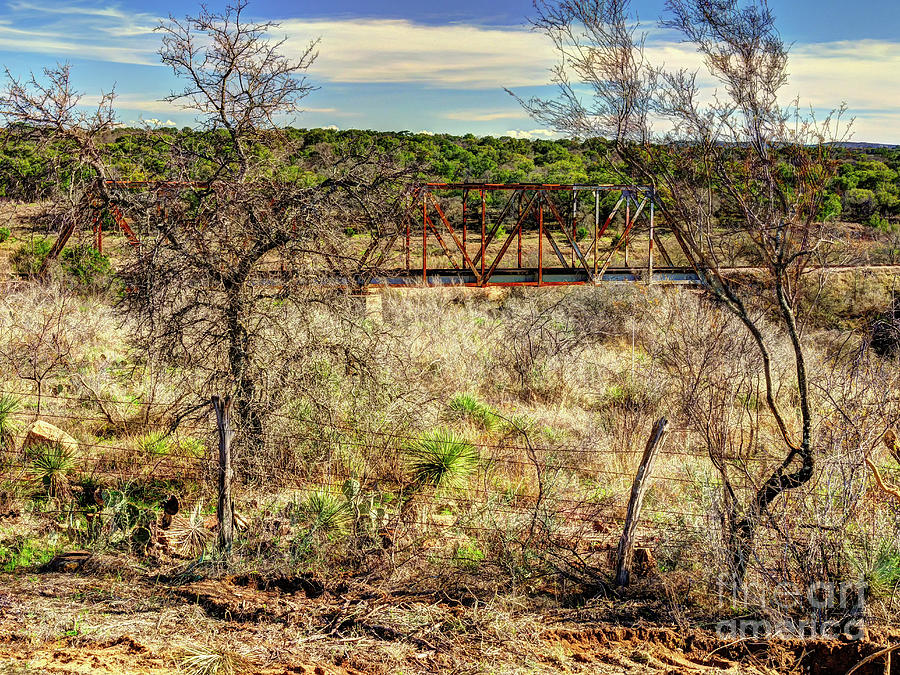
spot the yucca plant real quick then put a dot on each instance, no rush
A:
(155, 443)
(469, 406)
(328, 513)
(50, 466)
(442, 459)
(9, 425)
(190, 535)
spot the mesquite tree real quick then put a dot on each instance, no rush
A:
(737, 177)
(221, 289)
(45, 110)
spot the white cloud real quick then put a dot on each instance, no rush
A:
(136, 102)
(531, 134)
(457, 56)
(394, 50)
(80, 31)
(484, 115)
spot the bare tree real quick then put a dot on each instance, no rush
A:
(236, 78)
(239, 255)
(47, 111)
(40, 344)
(734, 152)
(224, 285)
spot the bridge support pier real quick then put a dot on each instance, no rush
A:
(367, 304)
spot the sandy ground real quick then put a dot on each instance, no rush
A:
(119, 620)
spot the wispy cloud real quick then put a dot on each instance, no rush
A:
(88, 31)
(474, 59)
(450, 56)
(484, 115)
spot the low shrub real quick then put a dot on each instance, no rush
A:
(469, 406)
(86, 265)
(28, 259)
(4, 234)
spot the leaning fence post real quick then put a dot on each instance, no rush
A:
(638, 490)
(224, 510)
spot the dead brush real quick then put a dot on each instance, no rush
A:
(212, 661)
(190, 536)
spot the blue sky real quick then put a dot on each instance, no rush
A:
(440, 67)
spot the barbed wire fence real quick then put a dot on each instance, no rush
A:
(573, 495)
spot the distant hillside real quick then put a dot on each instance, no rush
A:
(866, 189)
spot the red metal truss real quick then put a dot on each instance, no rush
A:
(475, 242)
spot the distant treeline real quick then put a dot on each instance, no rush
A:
(865, 190)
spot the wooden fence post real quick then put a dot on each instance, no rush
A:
(224, 511)
(638, 490)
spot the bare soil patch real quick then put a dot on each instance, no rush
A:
(90, 623)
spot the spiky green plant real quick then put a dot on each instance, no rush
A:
(329, 513)
(469, 406)
(883, 573)
(442, 459)
(155, 443)
(9, 425)
(50, 466)
(212, 661)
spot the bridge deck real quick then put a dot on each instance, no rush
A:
(532, 276)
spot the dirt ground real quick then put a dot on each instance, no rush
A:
(114, 619)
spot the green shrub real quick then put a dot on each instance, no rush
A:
(582, 233)
(467, 555)
(156, 443)
(441, 459)
(469, 406)
(879, 222)
(328, 513)
(86, 265)
(28, 259)
(4, 234)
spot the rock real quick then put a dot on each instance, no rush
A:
(44, 433)
(68, 562)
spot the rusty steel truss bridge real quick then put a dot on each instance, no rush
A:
(492, 234)
(534, 235)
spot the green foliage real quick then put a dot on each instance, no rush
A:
(86, 265)
(882, 572)
(441, 459)
(879, 222)
(156, 443)
(4, 234)
(469, 406)
(192, 447)
(24, 553)
(28, 258)
(328, 513)
(50, 466)
(831, 207)
(468, 556)
(9, 426)
(582, 233)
